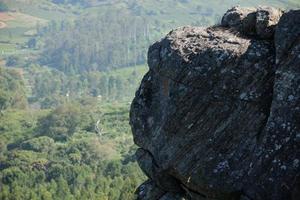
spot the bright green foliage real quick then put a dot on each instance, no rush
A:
(86, 166)
(57, 153)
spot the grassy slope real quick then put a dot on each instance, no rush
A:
(41, 9)
(12, 35)
(25, 17)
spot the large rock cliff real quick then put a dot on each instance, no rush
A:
(217, 116)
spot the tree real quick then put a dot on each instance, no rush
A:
(86, 46)
(3, 7)
(4, 192)
(12, 61)
(4, 100)
(103, 86)
(39, 144)
(61, 123)
(63, 190)
(111, 87)
(31, 43)
(58, 1)
(45, 194)
(12, 174)
(12, 89)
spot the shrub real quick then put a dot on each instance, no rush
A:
(39, 144)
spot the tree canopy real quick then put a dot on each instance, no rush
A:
(3, 7)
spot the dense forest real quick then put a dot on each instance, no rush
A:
(89, 43)
(59, 155)
(78, 150)
(68, 72)
(64, 131)
(51, 87)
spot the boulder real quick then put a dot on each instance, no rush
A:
(217, 116)
(266, 20)
(259, 22)
(235, 17)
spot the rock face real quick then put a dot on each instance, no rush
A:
(260, 22)
(218, 114)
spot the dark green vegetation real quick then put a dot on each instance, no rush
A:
(68, 70)
(88, 44)
(56, 154)
(81, 149)
(12, 90)
(50, 87)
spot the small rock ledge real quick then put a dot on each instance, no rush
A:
(217, 116)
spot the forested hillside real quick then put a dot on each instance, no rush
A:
(68, 72)
(110, 40)
(90, 35)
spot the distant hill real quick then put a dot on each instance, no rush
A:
(180, 12)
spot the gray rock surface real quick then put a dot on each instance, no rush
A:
(266, 20)
(242, 19)
(217, 116)
(259, 22)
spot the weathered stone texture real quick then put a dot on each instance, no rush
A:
(218, 114)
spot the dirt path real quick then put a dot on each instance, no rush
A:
(2, 25)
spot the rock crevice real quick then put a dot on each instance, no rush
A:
(218, 114)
